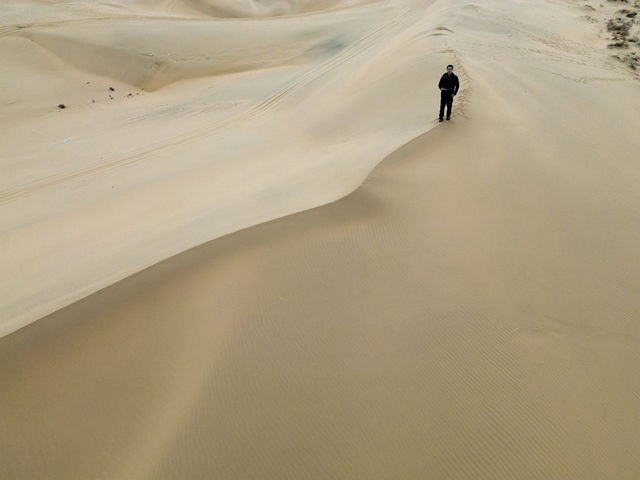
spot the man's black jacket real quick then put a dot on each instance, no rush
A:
(449, 83)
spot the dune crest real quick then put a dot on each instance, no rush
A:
(446, 301)
(182, 129)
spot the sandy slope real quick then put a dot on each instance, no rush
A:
(471, 311)
(212, 125)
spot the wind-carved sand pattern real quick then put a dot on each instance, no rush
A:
(405, 301)
(309, 75)
(283, 62)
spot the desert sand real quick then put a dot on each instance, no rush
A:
(246, 249)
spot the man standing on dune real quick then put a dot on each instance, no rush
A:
(449, 86)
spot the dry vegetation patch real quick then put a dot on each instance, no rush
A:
(622, 28)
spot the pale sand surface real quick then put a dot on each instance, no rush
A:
(470, 311)
(213, 125)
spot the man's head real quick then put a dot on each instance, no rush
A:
(449, 69)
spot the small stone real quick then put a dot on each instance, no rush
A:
(112, 89)
(61, 106)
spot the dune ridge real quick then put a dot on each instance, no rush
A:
(275, 101)
(468, 310)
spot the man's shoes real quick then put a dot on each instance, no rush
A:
(440, 119)
(448, 118)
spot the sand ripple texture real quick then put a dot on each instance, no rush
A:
(466, 308)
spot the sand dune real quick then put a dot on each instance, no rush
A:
(252, 120)
(465, 305)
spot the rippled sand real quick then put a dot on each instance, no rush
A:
(464, 305)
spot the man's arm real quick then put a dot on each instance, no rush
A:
(440, 82)
(456, 86)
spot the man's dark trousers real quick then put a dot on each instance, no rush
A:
(446, 98)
